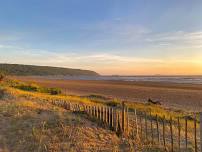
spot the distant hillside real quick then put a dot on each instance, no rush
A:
(28, 70)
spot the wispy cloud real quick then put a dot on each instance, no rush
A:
(180, 38)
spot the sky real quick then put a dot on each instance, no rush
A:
(124, 37)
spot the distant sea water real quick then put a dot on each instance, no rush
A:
(172, 79)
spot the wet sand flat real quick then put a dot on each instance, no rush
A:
(182, 96)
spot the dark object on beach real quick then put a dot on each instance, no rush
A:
(154, 102)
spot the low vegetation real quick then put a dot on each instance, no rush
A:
(32, 87)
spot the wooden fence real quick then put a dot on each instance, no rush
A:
(170, 134)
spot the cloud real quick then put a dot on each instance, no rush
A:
(180, 38)
(114, 32)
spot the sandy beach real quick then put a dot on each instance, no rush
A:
(174, 95)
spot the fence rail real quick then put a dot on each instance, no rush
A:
(181, 134)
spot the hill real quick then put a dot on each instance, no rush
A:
(27, 70)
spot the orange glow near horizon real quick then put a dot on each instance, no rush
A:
(175, 68)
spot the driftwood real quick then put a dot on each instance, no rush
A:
(154, 102)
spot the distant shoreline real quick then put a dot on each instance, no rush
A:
(156, 79)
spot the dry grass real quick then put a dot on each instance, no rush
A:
(30, 122)
(31, 126)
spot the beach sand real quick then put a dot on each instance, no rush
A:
(173, 95)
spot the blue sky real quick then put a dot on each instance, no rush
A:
(108, 36)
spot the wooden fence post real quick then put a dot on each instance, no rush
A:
(195, 134)
(109, 117)
(115, 119)
(179, 131)
(152, 135)
(201, 130)
(70, 106)
(123, 117)
(91, 110)
(141, 126)
(136, 124)
(157, 129)
(101, 111)
(128, 120)
(106, 115)
(146, 126)
(98, 107)
(186, 133)
(171, 133)
(164, 140)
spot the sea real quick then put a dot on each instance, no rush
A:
(156, 78)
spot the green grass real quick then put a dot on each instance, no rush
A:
(32, 87)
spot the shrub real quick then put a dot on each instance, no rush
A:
(1, 93)
(28, 87)
(113, 103)
(2, 75)
(33, 87)
(52, 91)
